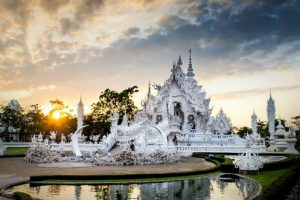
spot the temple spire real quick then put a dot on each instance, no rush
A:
(254, 122)
(149, 90)
(190, 71)
(80, 113)
(271, 115)
(179, 62)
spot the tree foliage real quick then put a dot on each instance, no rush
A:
(65, 124)
(111, 101)
(243, 130)
(262, 128)
(296, 122)
(34, 120)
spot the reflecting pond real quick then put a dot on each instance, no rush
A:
(198, 188)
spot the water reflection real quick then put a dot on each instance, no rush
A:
(198, 188)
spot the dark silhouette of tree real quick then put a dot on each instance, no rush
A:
(296, 123)
(65, 123)
(262, 128)
(12, 120)
(243, 130)
(111, 101)
(35, 121)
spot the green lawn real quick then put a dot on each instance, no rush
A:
(15, 150)
(268, 177)
(281, 149)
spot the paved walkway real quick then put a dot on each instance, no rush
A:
(14, 170)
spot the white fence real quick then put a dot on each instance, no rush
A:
(188, 150)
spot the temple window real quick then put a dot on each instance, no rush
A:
(158, 119)
(191, 122)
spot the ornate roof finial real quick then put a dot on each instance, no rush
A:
(190, 71)
(149, 90)
(179, 62)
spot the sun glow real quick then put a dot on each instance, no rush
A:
(56, 115)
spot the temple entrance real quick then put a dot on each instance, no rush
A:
(179, 113)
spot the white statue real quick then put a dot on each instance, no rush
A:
(46, 142)
(125, 120)
(75, 144)
(33, 139)
(95, 138)
(248, 161)
(52, 136)
(63, 138)
(40, 138)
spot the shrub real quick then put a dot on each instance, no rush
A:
(21, 196)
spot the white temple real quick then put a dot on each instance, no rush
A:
(175, 121)
(179, 118)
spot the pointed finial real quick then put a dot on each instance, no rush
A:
(149, 89)
(190, 71)
(179, 61)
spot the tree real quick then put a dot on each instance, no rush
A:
(35, 120)
(111, 101)
(243, 130)
(12, 120)
(60, 119)
(262, 128)
(296, 122)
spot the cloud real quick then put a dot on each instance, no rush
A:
(13, 94)
(52, 6)
(170, 22)
(89, 41)
(253, 92)
(46, 87)
(131, 31)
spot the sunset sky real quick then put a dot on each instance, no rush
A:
(240, 49)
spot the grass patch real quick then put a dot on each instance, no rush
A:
(277, 183)
(162, 179)
(21, 196)
(281, 149)
(16, 150)
(268, 177)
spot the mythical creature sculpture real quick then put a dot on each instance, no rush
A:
(63, 138)
(75, 145)
(52, 136)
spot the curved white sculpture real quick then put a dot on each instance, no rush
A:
(75, 145)
(248, 161)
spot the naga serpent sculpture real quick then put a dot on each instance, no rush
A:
(75, 145)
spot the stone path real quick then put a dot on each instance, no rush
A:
(14, 170)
